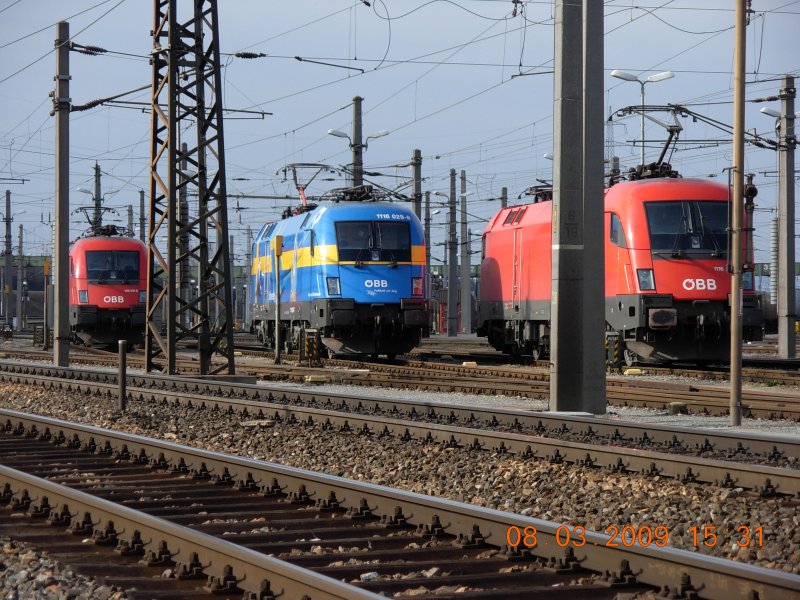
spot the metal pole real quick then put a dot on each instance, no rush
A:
(452, 260)
(503, 197)
(121, 376)
(248, 267)
(278, 250)
(130, 220)
(466, 296)
(141, 215)
(358, 148)
(641, 121)
(427, 226)
(61, 106)
(416, 169)
(736, 215)
(20, 277)
(97, 221)
(7, 269)
(787, 339)
(183, 265)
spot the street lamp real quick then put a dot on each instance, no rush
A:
(358, 147)
(651, 79)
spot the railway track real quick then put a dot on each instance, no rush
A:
(766, 403)
(213, 517)
(766, 464)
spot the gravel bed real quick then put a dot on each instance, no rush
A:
(564, 493)
(26, 572)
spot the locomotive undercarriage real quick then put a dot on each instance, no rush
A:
(656, 329)
(105, 327)
(348, 328)
(651, 328)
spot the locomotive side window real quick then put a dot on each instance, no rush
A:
(616, 234)
(688, 228)
(112, 266)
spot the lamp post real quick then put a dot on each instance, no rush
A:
(358, 148)
(452, 268)
(785, 128)
(651, 79)
(355, 142)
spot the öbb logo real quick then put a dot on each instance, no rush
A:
(376, 283)
(113, 299)
(700, 284)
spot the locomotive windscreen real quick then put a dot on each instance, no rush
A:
(688, 228)
(377, 241)
(112, 266)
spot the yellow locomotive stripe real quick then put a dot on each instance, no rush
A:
(323, 255)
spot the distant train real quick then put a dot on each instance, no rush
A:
(667, 287)
(107, 289)
(354, 271)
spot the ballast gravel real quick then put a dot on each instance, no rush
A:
(594, 498)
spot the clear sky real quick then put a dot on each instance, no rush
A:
(440, 75)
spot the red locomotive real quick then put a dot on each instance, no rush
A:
(107, 288)
(667, 286)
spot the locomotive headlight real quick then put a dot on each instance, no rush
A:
(647, 280)
(142, 296)
(334, 289)
(83, 296)
(416, 286)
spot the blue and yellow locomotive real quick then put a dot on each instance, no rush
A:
(354, 271)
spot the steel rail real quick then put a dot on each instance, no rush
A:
(250, 568)
(543, 423)
(713, 578)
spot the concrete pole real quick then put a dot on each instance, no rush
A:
(466, 296)
(97, 221)
(358, 148)
(452, 260)
(574, 384)
(248, 269)
(20, 279)
(141, 216)
(61, 105)
(7, 267)
(416, 169)
(130, 220)
(787, 338)
(773, 262)
(739, 63)
(503, 197)
(427, 225)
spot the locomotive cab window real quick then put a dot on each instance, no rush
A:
(112, 266)
(379, 241)
(688, 228)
